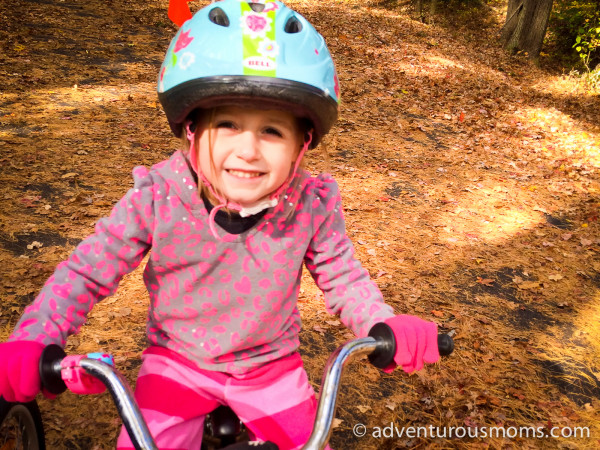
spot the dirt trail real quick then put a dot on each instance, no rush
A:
(471, 192)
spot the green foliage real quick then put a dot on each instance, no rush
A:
(587, 41)
(574, 36)
(574, 31)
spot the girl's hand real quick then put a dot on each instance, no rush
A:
(416, 342)
(19, 370)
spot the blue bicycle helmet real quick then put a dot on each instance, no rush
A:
(258, 53)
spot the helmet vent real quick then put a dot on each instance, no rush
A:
(219, 17)
(257, 7)
(293, 25)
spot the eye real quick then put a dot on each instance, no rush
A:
(273, 131)
(227, 124)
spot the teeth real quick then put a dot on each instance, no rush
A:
(239, 173)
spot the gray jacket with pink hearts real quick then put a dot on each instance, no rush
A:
(228, 303)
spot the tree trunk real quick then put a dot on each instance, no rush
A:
(432, 7)
(525, 27)
(419, 8)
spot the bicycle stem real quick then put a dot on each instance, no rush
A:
(330, 387)
(124, 401)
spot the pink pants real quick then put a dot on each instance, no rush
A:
(275, 402)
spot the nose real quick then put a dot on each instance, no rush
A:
(248, 147)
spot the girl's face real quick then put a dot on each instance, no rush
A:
(247, 154)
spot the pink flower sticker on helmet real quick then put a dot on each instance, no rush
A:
(183, 41)
(255, 25)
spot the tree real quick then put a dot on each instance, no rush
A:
(432, 7)
(525, 26)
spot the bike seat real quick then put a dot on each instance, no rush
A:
(223, 422)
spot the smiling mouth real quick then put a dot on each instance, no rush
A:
(244, 174)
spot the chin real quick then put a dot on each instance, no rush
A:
(244, 202)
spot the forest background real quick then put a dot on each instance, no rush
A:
(470, 183)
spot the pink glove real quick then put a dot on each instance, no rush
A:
(19, 370)
(77, 380)
(416, 342)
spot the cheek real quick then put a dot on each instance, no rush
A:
(204, 161)
(284, 166)
(208, 161)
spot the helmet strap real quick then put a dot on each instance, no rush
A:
(284, 186)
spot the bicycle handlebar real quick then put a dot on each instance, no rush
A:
(380, 346)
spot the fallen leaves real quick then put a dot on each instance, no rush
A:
(456, 166)
(485, 281)
(437, 313)
(529, 285)
(35, 244)
(516, 393)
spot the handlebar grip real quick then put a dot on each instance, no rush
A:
(51, 378)
(384, 355)
(445, 344)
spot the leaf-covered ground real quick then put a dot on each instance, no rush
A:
(471, 191)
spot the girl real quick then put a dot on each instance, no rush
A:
(250, 87)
